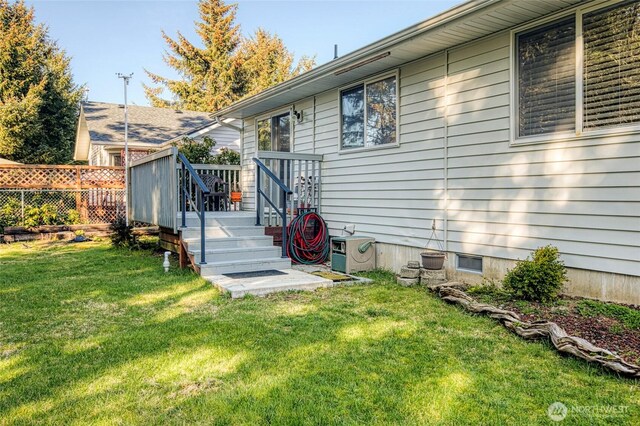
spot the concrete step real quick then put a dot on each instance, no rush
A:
(214, 254)
(230, 242)
(289, 280)
(219, 268)
(223, 231)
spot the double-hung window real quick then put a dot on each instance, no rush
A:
(368, 114)
(580, 73)
(274, 133)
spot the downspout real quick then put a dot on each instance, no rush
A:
(223, 124)
(313, 124)
(445, 154)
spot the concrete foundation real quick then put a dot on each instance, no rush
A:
(604, 286)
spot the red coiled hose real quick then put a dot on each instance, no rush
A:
(303, 248)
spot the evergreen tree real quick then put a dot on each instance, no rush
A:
(224, 69)
(264, 61)
(38, 99)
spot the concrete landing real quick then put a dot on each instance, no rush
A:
(289, 279)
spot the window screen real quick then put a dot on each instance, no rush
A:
(612, 66)
(353, 117)
(546, 79)
(471, 263)
(368, 113)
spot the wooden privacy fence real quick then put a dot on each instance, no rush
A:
(33, 195)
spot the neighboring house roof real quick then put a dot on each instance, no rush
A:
(230, 123)
(103, 124)
(456, 26)
(5, 161)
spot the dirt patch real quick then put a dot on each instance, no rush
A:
(195, 388)
(603, 331)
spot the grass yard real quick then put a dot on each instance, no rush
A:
(91, 334)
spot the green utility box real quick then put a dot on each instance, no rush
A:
(353, 254)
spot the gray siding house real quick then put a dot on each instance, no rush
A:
(100, 133)
(512, 124)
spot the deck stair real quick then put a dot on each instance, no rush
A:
(240, 258)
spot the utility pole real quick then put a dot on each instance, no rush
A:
(125, 79)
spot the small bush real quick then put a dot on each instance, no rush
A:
(539, 278)
(46, 214)
(73, 217)
(10, 214)
(122, 234)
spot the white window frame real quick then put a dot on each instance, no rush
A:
(374, 79)
(579, 132)
(112, 158)
(470, 271)
(269, 116)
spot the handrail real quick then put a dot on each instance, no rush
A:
(193, 173)
(204, 192)
(273, 177)
(280, 155)
(285, 192)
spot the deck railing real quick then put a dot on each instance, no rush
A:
(229, 173)
(299, 172)
(153, 195)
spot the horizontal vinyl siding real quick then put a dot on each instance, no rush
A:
(224, 137)
(391, 194)
(303, 130)
(505, 200)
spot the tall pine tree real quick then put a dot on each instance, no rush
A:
(38, 99)
(264, 61)
(228, 67)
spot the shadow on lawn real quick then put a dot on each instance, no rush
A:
(177, 351)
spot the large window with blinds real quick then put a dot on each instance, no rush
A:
(612, 66)
(553, 97)
(547, 79)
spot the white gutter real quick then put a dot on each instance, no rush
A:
(361, 54)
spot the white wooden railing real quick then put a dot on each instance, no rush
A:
(153, 195)
(229, 173)
(299, 172)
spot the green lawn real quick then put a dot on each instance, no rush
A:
(91, 334)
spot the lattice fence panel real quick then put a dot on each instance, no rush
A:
(60, 177)
(102, 178)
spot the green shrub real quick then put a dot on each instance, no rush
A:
(46, 214)
(73, 217)
(122, 234)
(539, 278)
(10, 214)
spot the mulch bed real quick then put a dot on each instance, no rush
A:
(602, 331)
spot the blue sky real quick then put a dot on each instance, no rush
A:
(106, 37)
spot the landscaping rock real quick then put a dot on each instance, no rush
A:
(431, 277)
(409, 272)
(408, 282)
(413, 264)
